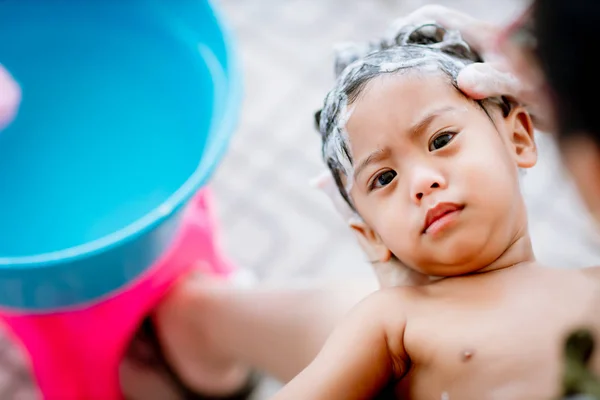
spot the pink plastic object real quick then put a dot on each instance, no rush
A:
(75, 355)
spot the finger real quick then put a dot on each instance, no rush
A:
(479, 34)
(426, 13)
(482, 80)
(10, 96)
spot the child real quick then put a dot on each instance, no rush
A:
(434, 177)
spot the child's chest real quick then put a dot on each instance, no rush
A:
(504, 342)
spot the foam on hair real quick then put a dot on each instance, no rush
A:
(426, 48)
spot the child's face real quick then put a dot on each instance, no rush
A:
(420, 150)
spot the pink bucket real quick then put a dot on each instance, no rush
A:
(76, 354)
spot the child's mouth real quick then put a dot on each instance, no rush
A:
(440, 217)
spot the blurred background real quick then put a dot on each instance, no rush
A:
(273, 222)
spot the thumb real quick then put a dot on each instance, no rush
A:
(482, 80)
(479, 34)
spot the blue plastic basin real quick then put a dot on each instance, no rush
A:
(127, 108)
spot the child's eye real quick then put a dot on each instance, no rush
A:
(383, 179)
(441, 140)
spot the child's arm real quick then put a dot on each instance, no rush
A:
(361, 356)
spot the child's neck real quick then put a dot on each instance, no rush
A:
(519, 252)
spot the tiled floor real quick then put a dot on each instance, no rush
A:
(274, 222)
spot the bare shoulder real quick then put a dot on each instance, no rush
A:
(382, 318)
(387, 309)
(383, 313)
(393, 301)
(588, 272)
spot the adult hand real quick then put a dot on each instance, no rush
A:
(10, 96)
(508, 68)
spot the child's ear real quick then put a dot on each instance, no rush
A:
(371, 242)
(521, 137)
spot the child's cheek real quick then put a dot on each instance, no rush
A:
(394, 225)
(487, 181)
(477, 169)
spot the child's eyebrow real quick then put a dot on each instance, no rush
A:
(424, 123)
(375, 156)
(413, 131)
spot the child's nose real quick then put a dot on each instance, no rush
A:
(425, 181)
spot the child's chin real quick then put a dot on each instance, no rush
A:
(455, 263)
(448, 271)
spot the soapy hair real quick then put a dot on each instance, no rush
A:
(425, 47)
